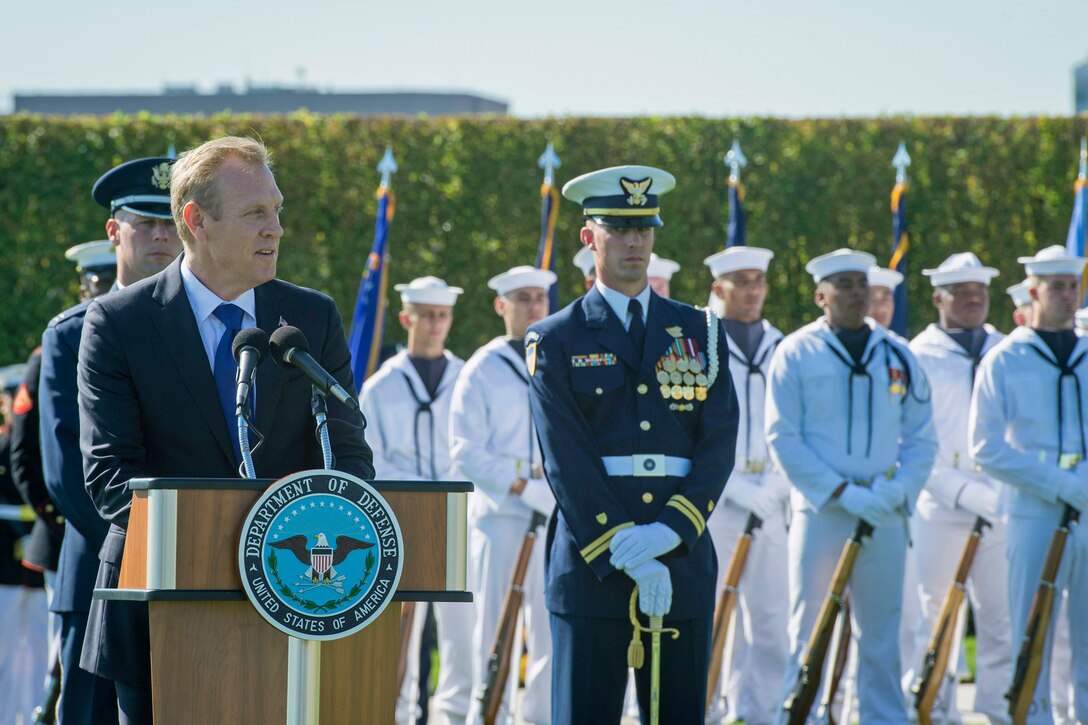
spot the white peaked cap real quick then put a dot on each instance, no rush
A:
(428, 291)
(1020, 293)
(93, 254)
(521, 277)
(881, 277)
(735, 258)
(962, 267)
(841, 260)
(585, 262)
(1052, 260)
(661, 267)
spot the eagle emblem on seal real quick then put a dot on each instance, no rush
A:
(637, 190)
(160, 176)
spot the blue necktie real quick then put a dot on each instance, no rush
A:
(637, 328)
(226, 369)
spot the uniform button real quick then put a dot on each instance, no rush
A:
(49, 508)
(600, 390)
(648, 497)
(644, 425)
(642, 389)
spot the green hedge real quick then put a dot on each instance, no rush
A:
(468, 198)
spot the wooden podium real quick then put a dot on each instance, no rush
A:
(215, 659)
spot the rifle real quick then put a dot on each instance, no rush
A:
(498, 664)
(945, 631)
(800, 700)
(407, 617)
(726, 603)
(1030, 659)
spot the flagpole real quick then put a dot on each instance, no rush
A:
(549, 212)
(900, 238)
(1076, 243)
(736, 234)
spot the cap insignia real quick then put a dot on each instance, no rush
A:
(636, 189)
(160, 176)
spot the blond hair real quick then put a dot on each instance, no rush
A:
(193, 175)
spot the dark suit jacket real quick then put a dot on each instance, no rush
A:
(62, 462)
(148, 407)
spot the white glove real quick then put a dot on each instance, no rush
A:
(1074, 491)
(979, 499)
(863, 503)
(538, 496)
(639, 544)
(654, 587)
(890, 493)
(763, 501)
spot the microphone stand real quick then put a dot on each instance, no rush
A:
(248, 468)
(321, 413)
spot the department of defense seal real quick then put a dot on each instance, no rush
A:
(320, 554)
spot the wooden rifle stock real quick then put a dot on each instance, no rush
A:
(407, 617)
(498, 664)
(935, 664)
(1030, 659)
(800, 700)
(726, 602)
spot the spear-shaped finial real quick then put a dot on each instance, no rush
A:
(901, 161)
(735, 160)
(549, 161)
(1083, 171)
(387, 166)
(171, 153)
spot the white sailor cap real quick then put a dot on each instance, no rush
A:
(585, 262)
(1020, 293)
(621, 196)
(661, 268)
(428, 291)
(881, 277)
(1052, 260)
(521, 277)
(962, 267)
(841, 260)
(740, 257)
(91, 255)
(1080, 317)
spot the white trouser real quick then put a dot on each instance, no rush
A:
(759, 647)
(450, 703)
(1027, 541)
(937, 546)
(816, 539)
(494, 545)
(24, 632)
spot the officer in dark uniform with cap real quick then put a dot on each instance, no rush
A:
(142, 241)
(637, 420)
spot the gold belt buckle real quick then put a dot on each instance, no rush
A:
(754, 465)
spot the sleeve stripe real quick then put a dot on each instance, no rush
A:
(601, 543)
(685, 507)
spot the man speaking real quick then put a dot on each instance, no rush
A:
(156, 377)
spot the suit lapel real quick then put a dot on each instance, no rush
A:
(661, 316)
(270, 376)
(177, 328)
(610, 332)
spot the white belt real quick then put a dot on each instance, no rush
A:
(646, 464)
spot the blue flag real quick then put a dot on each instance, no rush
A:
(900, 247)
(545, 254)
(736, 236)
(368, 322)
(1078, 228)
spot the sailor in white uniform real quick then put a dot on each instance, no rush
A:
(759, 644)
(882, 284)
(1027, 429)
(494, 445)
(1020, 294)
(849, 421)
(407, 407)
(957, 492)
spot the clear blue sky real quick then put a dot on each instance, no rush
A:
(575, 57)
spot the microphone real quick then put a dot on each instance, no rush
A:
(290, 349)
(250, 347)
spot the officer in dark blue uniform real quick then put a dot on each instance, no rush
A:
(637, 420)
(142, 241)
